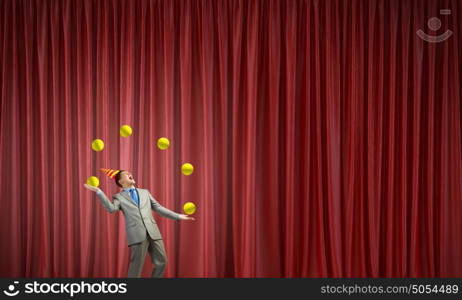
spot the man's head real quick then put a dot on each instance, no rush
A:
(124, 179)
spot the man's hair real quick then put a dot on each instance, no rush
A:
(117, 178)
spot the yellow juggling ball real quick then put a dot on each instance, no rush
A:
(97, 145)
(163, 143)
(189, 208)
(187, 169)
(126, 131)
(93, 181)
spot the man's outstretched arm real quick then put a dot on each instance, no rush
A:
(108, 205)
(164, 212)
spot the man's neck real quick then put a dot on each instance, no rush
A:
(129, 187)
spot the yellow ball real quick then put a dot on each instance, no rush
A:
(163, 143)
(187, 169)
(189, 208)
(97, 145)
(93, 181)
(126, 131)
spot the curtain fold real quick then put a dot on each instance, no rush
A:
(325, 135)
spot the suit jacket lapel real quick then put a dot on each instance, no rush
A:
(141, 196)
(129, 198)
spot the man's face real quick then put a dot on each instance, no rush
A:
(126, 179)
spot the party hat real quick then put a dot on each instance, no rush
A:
(110, 172)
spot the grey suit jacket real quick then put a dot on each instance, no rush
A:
(138, 220)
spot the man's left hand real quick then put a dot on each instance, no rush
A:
(186, 218)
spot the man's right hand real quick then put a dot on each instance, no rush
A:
(91, 188)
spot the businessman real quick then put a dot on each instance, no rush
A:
(142, 232)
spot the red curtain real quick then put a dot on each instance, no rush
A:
(325, 135)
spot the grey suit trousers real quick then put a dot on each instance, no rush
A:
(138, 254)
